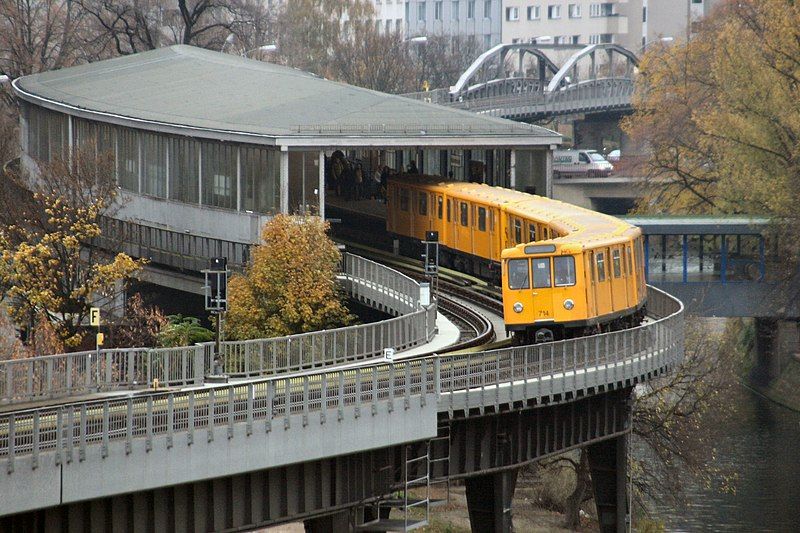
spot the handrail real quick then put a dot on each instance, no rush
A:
(616, 357)
(113, 369)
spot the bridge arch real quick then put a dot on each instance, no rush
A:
(562, 78)
(501, 51)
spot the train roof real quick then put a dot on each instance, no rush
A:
(576, 226)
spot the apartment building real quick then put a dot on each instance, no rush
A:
(389, 15)
(630, 23)
(480, 19)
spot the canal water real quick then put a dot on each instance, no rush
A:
(762, 444)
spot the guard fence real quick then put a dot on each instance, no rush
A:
(606, 359)
(113, 369)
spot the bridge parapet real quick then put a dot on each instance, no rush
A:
(86, 372)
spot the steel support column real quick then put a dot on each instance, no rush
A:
(489, 500)
(325, 524)
(608, 464)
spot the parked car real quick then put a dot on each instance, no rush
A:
(590, 163)
(614, 155)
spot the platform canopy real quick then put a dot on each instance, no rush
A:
(192, 91)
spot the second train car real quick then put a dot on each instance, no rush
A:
(564, 270)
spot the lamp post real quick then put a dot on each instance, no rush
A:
(420, 40)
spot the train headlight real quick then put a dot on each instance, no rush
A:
(568, 304)
(518, 307)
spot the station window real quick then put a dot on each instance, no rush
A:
(439, 204)
(541, 272)
(422, 199)
(564, 270)
(481, 219)
(601, 267)
(464, 213)
(517, 231)
(404, 199)
(518, 277)
(616, 263)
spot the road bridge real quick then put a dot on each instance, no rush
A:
(523, 82)
(317, 444)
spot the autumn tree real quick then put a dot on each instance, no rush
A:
(719, 115)
(290, 286)
(47, 223)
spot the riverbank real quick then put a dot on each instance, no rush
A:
(783, 390)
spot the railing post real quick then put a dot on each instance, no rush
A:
(36, 436)
(250, 396)
(270, 405)
(129, 426)
(230, 412)
(106, 429)
(82, 448)
(190, 421)
(170, 419)
(341, 394)
(287, 402)
(12, 442)
(148, 443)
(211, 415)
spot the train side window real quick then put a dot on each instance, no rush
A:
(541, 272)
(449, 205)
(481, 219)
(616, 263)
(628, 261)
(491, 221)
(404, 199)
(564, 270)
(439, 204)
(545, 233)
(464, 214)
(532, 232)
(601, 266)
(518, 277)
(423, 203)
(517, 231)
(591, 262)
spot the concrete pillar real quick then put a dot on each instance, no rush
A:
(284, 183)
(325, 524)
(512, 172)
(322, 184)
(776, 341)
(489, 501)
(608, 465)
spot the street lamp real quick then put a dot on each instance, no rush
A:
(662, 40)
(419, 39)
(228, 40)
(4, 79)
(542, 39)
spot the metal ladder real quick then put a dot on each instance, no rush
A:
(439, 459)
(416, 476)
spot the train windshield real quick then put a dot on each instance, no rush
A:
(541, 273)
(518, 277)
(564, 269)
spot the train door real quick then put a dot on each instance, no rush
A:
(451, 223)
(604, 303)
(619, 295)
(422, 220)
(438, 219)
(480, 242)
(542, 269)
(591, 285)
(630, 277)
(462, 225)
(494, 233)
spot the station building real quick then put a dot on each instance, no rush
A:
(215, 144)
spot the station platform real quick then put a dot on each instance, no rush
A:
(375, 209)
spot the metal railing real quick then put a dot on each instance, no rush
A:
(610, 358)
(112, 369)
(611, 355)
(162, 246)
(70, 429)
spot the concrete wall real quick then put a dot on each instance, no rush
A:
(486, 30)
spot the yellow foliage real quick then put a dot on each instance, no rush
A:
(290, 286)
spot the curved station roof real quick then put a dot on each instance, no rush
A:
(193, 91)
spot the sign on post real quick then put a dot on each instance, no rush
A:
(94, 317)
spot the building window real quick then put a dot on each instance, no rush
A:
(576, 39)
(455, 10)
(574, 11)
(512, 13)
(487, 41)
(47, 133)
(515, 40)
(471, 9)
(487, 9)
(554, 12)
(601, 38)
(644, 14)
(534, 12)
(154, 165)
(606, 9)
(219, 174)
(128, 159)
(420, 11)
(437, 10)
(183, 170)
(398, 24)
(260, 179)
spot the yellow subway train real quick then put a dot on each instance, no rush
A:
(564, 270)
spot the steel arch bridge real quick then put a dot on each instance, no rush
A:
(522, 81)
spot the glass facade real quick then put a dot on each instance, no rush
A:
(211, 173)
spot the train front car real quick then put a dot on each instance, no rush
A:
(544, 292)
(588, 278)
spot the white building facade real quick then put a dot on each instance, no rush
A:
(477, 19)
